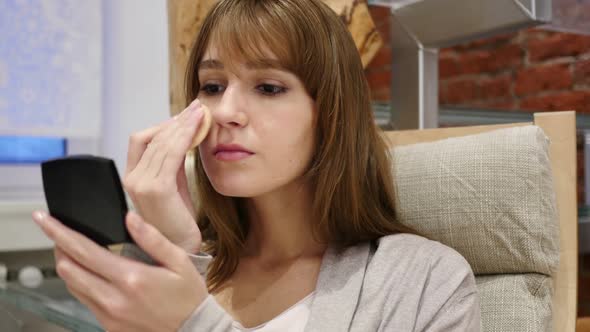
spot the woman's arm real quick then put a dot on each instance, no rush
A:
(460, 313)
(431, 288)
(450, 301)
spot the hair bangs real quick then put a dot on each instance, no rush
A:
(251, 33)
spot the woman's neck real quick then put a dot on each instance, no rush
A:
(281, 226)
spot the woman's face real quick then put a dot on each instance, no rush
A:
(262, 135)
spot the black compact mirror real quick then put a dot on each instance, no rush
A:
(84, 192)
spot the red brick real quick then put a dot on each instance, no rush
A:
(382, 94)
(474, 62)
(505, 57)
(379, 79)
(495, 104)
(572, 100)
(498, 87)
(507, 105)
(447, 51)
(560, 44)
(492, 42)
(551, 77)
(459, 92)
(384, 30)
(380, 14)
(502, 58)
(537, 33)
(447, 67)
(382, 59)
(582, 72)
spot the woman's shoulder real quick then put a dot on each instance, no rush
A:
(401, 247)
(430, 280)
(420, 260)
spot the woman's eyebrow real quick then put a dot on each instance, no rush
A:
(210, 64)
(259, 64)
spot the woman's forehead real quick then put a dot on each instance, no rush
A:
(214, 58)
(213, 52)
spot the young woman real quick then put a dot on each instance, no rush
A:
(295, 228)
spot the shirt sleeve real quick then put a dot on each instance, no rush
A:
(201, 261)
(461, 313)
(209, 315)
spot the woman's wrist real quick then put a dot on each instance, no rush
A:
(192, 242)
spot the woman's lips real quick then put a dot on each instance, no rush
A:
(231, 152)
(232, 155)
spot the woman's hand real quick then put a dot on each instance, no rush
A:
(126, 295)
(156, 181)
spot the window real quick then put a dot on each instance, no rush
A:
(108, 77)
(30, 149)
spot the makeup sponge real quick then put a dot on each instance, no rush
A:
(204, 127)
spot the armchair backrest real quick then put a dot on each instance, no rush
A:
(560, 128)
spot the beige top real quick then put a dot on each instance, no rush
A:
(400, 283)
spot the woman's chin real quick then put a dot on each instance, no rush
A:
(234, 188)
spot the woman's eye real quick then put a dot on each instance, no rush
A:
(212, 89)
(271, 90)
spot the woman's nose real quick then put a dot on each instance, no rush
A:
(230, 110)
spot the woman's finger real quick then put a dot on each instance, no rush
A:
(151, 161)
(153, 146)
(173, 145)
(83, 282)
(155, 244)
(165, 140)
(81, 249)
(99, 311)
(138, 143)
(183, 139)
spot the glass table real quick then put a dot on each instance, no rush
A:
(47, 308)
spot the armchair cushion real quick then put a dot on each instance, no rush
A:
(489, 196)
(515, 302)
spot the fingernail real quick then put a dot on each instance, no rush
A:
(39, 217)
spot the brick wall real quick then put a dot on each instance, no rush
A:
(378, 72)
(529, 70)
(532, 69)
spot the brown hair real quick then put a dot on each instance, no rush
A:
(350, 171)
